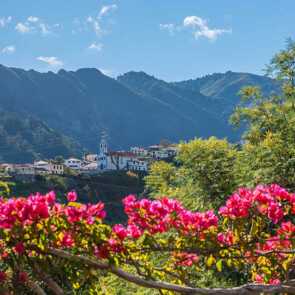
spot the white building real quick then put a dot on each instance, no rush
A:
(73, 163)
(91, 157)
(138, 164)
(21, 169)
(89, 168)
(158, 152)
(44, 168)
(119, 160)
(55, 168)
(139, 151)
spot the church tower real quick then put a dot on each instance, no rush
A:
(103, 150)
(103, 146)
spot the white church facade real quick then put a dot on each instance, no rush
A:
(118, 160)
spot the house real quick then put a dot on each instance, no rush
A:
(41, 165)
(90, 157)
(45, 168)
(55, 168)
(22, 172)
(138, 164)
(139, 151)
(158, 152)
(172, 150)
(90, 168)
(119, 160)
(73, 163)
(23, 169)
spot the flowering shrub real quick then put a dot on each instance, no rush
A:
(253, 233)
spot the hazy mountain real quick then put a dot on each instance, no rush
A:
(226, 86)
(134, 109)
(80, 104)
(23, 139)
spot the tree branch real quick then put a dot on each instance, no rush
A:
(35, 288)
(52, 285)
(241, 290)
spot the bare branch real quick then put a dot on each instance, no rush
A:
(52, 285)
(241, 290)
(35, 288)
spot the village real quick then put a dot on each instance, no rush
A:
(136, 159)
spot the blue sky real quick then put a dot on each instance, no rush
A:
(170, 39)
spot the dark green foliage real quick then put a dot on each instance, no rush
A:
(24, 139)
(202, 177)
(110, 188)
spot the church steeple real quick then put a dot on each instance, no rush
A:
(103, 146)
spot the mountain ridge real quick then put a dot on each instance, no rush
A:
(134, 109)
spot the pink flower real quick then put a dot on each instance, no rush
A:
(275, 212)
(3, 276)
(226, 238)
(259, 279)
(274, 282)
(67, 240)
(134, 231)
(186, 259)
(72, 196)
(50, 197)
(120, 231)
(101, 251)
(115, 245)
(22, 277)
(19, 248)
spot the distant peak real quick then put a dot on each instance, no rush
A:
(61, 72)
(90, 70)
(136, 75)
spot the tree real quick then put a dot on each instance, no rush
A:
(202, 175)
(268, 154)
(4, 189)
(63, 248)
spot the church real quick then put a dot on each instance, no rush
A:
(118, 160)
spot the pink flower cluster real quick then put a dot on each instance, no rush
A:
(260, 279)
(84, 212)
(281, 241)
(226, 239)
(17, 213)
(158, 216)
(186, 259)
(25, 211)
(266, 200)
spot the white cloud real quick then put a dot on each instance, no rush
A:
(8, 49)
(168, 27)
(95, 24)
(201, 28)
(95, 46)
(33, 19)
(51, 61)
(23, 28)
(106, 9)
(5, 21)
(45, 29)
(34, 24)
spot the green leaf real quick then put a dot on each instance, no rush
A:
(219, 265)
(210, 261)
